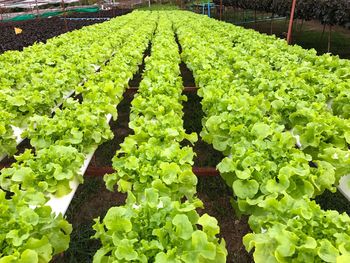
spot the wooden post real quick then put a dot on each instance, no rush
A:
(301, 26)
(113, 8)
(31, 8)
(235, 15)
(329, 38)
(64, 15)
(1, 13)
(324, 29)
(255, 18)
(272, 17)
(220, 9)
(37, 8)
(290, 28)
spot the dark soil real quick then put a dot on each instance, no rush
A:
(101, 14)
(8, 160)
(187, 77)
(39, 30)
(333, 201)
(91, 201)
(214, 193)
(206, 155)
(135, 81)
(105, 152)
(216, 196)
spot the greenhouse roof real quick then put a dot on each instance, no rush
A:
(30, 3)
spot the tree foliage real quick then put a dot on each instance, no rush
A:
(332, 12)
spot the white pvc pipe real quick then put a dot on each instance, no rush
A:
(343, 186)
(59, 205)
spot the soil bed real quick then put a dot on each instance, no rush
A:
(39, 30)
(214, 193)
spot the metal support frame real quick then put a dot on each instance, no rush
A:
(37, 8)
(208, 8)
(203, 7)
(291, 20)
(64, 15)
